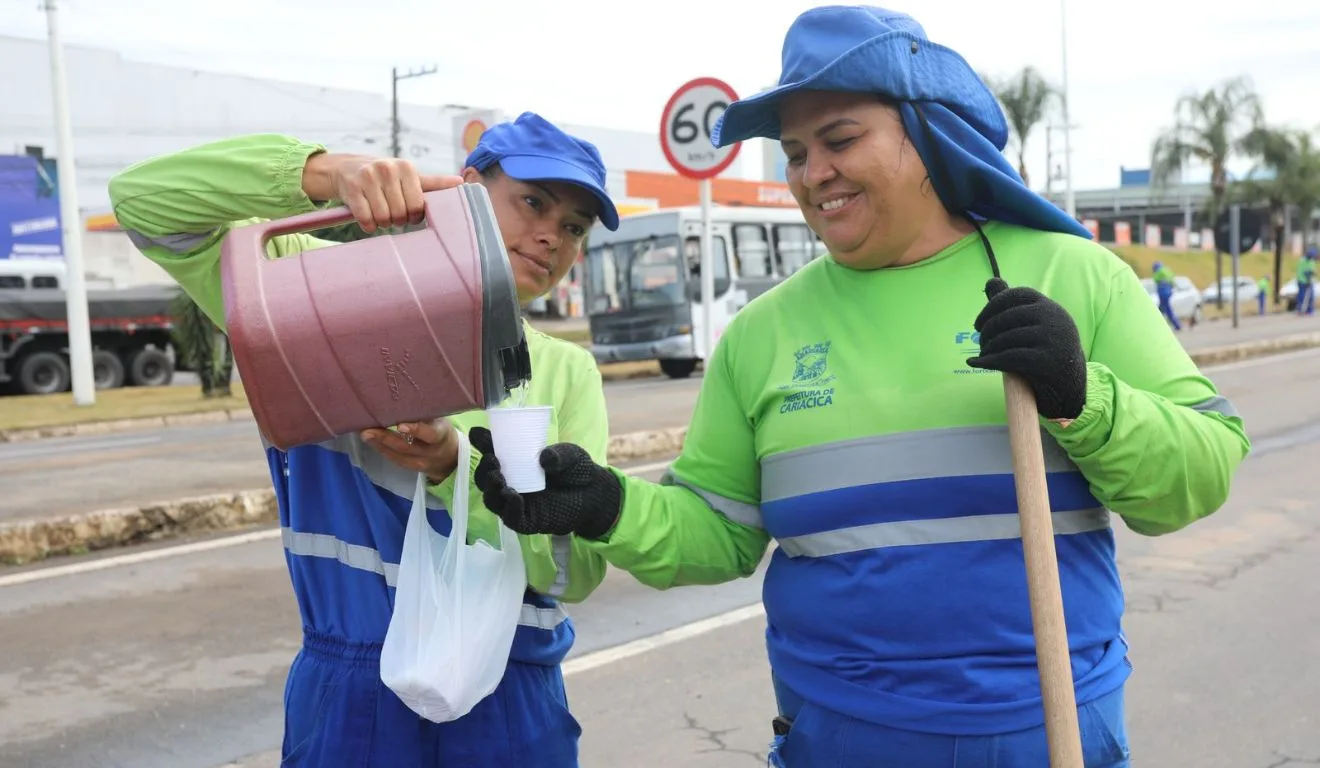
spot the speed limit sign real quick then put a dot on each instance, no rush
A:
(686, 126)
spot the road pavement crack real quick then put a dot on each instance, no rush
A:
(1289, 760)
(717, 739)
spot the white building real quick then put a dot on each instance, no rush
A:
(123, 111)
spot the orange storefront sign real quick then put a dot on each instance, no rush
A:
(671, 190)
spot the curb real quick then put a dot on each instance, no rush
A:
(1260, 348)
(27, 541)
(114, 426)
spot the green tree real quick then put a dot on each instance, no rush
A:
(1025, 98)
(203, 347)
(1208, 129)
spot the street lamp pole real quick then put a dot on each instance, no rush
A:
(75, 285)
(1070, 202)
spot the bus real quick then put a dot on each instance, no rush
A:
(643, 281)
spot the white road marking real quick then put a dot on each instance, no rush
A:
(39, 448)
(137, 557)
(678, 634)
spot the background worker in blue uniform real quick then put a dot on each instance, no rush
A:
(1164, 292)
(344, 503)
(852, 414)
(1306, 283)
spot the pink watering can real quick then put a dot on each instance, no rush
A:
(375, 332)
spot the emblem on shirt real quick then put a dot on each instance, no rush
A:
(810, 376)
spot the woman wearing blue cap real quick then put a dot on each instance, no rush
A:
(342, 505)
(853, 415)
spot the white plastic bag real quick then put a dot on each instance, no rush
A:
(456, 607)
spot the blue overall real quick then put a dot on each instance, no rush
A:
(1165, 292)
(820, 737)
(343, 508)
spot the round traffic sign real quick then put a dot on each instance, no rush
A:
(686, 125)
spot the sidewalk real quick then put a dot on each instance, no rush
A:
(1251, 327)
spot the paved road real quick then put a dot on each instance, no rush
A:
(60, 476)
(70, 475)
(179, 662)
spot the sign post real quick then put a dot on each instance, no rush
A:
(685, 138)
(1235, 234)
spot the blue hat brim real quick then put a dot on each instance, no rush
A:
(933, 73)
(537, 168)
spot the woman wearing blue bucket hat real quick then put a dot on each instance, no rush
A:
(853, 415)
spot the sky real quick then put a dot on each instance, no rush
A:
(584, 62)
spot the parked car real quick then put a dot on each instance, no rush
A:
(1289, 294)
(1247, 290)
(1186, 299)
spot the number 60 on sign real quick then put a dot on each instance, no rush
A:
(686, 125)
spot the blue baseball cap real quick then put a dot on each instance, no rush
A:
(532, 149)
(951, 116)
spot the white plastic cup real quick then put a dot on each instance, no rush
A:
(519, 435)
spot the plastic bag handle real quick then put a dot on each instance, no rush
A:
(458, 508)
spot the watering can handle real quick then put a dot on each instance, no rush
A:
(262, 233)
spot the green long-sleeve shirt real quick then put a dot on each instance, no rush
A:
(177, 210)
(1155, 442)
(838, 417)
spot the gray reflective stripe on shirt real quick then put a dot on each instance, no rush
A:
(941, 531)
(739, 512)
(1217, 404)
(179, 243)
(925, 454)
(561, 548)
(367, 559)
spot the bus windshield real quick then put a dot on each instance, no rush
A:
(636, 274)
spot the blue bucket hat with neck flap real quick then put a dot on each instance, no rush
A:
(950, 115)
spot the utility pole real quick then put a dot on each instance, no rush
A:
(75, 288)
(1070, 202)
(395, 149)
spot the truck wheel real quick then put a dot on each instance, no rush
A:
(150, 368)
(678, 369)
(107, 370)
(43, 373)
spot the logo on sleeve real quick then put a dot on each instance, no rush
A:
(808, 388)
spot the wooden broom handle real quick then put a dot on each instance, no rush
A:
(1043, 590)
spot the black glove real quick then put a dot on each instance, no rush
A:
(580, 496)
(1026, 333)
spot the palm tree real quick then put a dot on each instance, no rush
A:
(1025, 98)
(1275, 151)
(1207, 130)
(1306, 195)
